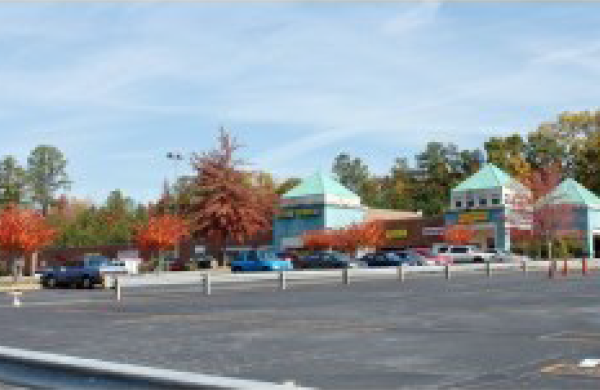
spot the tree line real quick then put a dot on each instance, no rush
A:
(223, 188)
(572, 142)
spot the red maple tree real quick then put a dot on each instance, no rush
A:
(23, 232)
(226, 205)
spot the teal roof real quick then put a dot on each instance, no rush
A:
(320, 184)
(489, 176)
(571, 192)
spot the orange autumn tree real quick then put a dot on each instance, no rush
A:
(348, 240)
(23, 232)
(161, 233)
(317, 240)
(459, 235)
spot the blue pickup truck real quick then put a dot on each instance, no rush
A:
(89, 273)
(259, 260)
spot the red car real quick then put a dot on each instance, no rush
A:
(427, 257)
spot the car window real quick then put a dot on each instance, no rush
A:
(402, 255)
(443, 249)
(459, 250)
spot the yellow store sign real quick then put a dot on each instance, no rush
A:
(472, 217)
(396, 234)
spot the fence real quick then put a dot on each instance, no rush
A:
(207, 283)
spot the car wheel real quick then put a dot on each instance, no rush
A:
(478, 260)
(49, 282)
(265, 269)
(236, 269)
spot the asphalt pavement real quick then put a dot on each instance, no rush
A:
(470, 332)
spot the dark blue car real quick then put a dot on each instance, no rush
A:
(259, 260)
(388, 259)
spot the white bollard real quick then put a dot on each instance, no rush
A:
(16, 298)
(282, 280)
(345, 276)
(207, 289)
(117, 285)
(401, 273)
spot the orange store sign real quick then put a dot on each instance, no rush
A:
(472, 217)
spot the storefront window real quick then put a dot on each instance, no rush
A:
(458, 204)
(483, 202)
(471, 203)
(496, 201)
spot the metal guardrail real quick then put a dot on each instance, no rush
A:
(285, 279)
(52, 371)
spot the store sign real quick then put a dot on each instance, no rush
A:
(286, 214)
(472, 217)
(307, 213)
(299, 213)
(396, 234)
(433, 231)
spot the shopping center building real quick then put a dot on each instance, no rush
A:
(481, 202)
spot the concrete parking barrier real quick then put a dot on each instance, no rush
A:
(53, 371)
(206, 284)
(282, 280)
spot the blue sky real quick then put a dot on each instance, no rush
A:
(117, 86)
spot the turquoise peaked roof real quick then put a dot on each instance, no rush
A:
(571, 192)
(320, 184)
(489, 176)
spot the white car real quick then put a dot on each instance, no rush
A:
(503, 256)
(464, 253)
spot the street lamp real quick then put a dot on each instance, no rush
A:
(176, 157)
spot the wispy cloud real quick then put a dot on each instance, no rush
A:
(117, 85)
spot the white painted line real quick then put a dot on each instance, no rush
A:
(589, 363)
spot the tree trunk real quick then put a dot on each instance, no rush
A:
(221, 246)
(14, 266)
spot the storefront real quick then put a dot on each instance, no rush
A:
(318, 202)
(413, 232)
(482, 202)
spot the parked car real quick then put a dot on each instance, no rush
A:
(86, 274)
(204, 261)
(426, 256)
(389, 259)
(325, 260)
(503, 256)
(171, 264)
(463, 253)
(259, 260)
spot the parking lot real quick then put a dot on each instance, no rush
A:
(508, 331)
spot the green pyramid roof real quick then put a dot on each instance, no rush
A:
(571, 192)
(320, 184)
(489, 176)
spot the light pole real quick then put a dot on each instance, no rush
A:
(176, 157)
